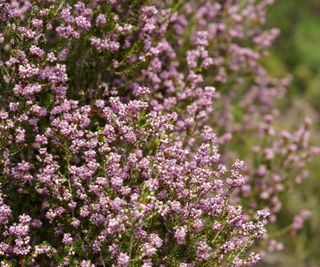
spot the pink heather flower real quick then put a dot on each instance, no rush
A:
(28, 71)
(299, 220)
(51, 57)
(86, 263)
(36, 51)
(180, 234)
(123, 259)
(28, 90)
(142, 90)
(155, 240)
(202, 38)
(186, 265)
(148, 250)
(217, 226)
(83, 23)
(5, 212)
(203, 251)
(37, 23)
(263, 213)
(101, 20)
(254, 258)
(20, 135)
(67, 239)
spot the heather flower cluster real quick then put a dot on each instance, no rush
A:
(117, 126)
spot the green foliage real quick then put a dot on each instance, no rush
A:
(297, 51)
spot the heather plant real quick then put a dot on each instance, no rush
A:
(118, 123)
(230, 58)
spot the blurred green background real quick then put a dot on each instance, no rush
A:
(297, 51)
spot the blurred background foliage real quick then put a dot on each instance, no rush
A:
(297, 51)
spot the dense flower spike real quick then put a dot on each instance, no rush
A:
(116, 123)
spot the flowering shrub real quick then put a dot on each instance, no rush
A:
(116, 145)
